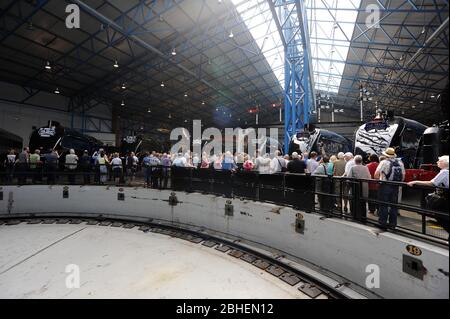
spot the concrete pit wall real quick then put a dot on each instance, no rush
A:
(342, 247)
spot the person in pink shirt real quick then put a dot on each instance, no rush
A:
(248, 164)
(205, 161)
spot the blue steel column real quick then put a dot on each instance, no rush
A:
(298, 91)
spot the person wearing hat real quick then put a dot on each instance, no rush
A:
(389, 170)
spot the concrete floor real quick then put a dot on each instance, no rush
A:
(123, 263)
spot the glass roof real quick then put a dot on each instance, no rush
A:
(330, 31)
(258, 18)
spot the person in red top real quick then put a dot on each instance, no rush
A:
(373, 187)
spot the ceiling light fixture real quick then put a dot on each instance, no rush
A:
(116, 64)
(174, 53)
(149, 111)
(123, 86)
(231, 35)
(203, 102)
(48, 66)
(185, 94)
(162, 84)
(433, 96)
(56, 91)
(122, 103)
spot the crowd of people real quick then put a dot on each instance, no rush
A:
(103, 167)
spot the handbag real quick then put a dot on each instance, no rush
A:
(436, 200)
(283, 169)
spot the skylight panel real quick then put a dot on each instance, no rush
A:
(331, 30)
(258, 18)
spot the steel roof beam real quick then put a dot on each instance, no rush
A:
(145, 45)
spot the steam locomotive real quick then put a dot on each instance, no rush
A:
(402, 134)
(319, 141)
(56, 137)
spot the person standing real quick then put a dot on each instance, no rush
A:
(205, 161)
(85, 165)
(228, 162)
(338, 171)
(36, 166)
(51, 165)
(22, 165)
(349, 163)
(71, 165)
(324, 184)
(102, 162)
(196, 161)
(9, 163)
(359, 171)
(147, 168)
(165, 163)
(278, 164)
(373, 187)
(296, 165)
(248, 164)
(312, 163)
(389, 170)
(262, 164)
(116, 165)
(440, 180)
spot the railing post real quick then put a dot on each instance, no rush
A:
(258, 186)
(424, 224)
(356, 201)
(190, 179)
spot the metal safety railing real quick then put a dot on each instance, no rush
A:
(387, 205)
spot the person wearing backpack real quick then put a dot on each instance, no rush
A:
(392, 170)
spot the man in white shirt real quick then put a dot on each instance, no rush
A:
(71, 160)
(441, 179)
(180, 161)
(262, 164)
(116, 164)
(349, 163)
(277, 164)
(71, 165)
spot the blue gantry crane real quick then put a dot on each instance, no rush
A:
(299, 97)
